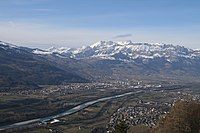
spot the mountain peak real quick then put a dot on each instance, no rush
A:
(102, 43)
(125, 42)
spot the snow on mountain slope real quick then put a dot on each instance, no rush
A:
(125, 50)
(108, 59)
(5, 45)
(39, 51)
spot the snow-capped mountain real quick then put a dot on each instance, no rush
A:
(104, 60)
(126, 51)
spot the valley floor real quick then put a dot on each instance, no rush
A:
(140, 109)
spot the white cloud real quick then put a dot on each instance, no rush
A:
(123, 36)
(43, 9)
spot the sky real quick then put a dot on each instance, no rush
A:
(74, 23)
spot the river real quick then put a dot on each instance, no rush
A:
(68, 112)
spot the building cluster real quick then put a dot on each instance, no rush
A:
(142, 114)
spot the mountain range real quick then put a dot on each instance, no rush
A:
(102, 61)
(125, 51)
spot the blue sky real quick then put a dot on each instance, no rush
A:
(72, 23)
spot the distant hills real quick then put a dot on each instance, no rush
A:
(98, 62)
(20, 67)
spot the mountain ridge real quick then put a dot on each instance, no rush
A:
(127, 49)
(21, 68)
(100, 62)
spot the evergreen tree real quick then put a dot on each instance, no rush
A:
(121, 127)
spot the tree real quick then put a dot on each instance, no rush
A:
(121, 127)
(99, 130)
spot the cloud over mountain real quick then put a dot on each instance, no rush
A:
(123, 36)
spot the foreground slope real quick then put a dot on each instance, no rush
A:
(184, 117)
